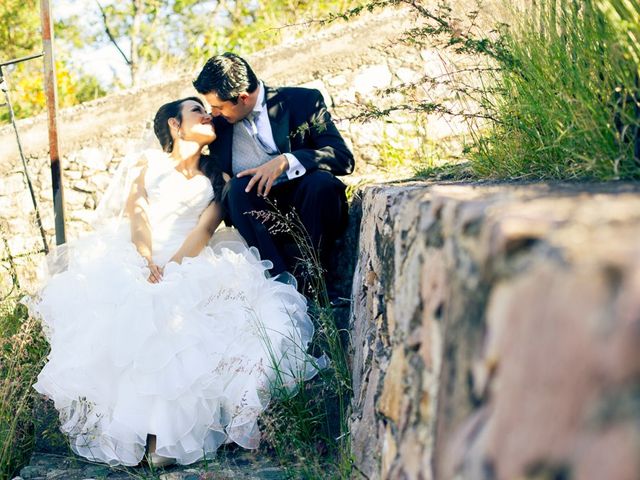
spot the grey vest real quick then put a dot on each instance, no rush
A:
(245, 151)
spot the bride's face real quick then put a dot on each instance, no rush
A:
(196, 123)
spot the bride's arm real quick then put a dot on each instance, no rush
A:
(137, 204)
(201, 234)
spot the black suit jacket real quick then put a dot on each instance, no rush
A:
(301, 125)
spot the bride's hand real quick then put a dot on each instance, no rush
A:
(156, 273)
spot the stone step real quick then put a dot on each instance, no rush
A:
(231, 464)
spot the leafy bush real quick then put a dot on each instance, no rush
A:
(22, 351)
(557, 98)
(553, 94)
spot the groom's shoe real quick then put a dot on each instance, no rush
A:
(339, 302)
(336, 300)
(159, 461)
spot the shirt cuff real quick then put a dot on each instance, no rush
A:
(295, 169)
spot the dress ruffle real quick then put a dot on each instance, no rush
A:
(193, 359)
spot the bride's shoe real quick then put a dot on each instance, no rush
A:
(159, 461)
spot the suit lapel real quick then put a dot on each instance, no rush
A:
(278, 118)
(222, 145)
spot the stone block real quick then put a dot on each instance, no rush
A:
(73, 174)
(407, 75)
(94, 159)
(371, 78)
(389, 451)
(13, 183)
(392, 399)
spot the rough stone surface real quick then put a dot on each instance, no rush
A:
(495, 331)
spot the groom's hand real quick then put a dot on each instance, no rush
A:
(265, 175)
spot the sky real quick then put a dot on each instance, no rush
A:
(104, 62)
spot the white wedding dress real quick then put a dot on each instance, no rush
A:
(193, 359)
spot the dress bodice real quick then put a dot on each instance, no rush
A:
(175, 205)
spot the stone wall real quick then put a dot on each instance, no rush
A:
(495, 332)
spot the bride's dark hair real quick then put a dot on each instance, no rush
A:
(207, 164)
(161, 121)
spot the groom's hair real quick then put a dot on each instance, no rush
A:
(226, 75)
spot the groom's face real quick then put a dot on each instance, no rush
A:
(231, 112)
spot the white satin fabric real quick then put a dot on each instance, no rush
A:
(193, 359)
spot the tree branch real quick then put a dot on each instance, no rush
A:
(110, 35)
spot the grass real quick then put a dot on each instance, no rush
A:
(307, 429)
(446, 172)
(558, 97)
(22, 351)
(555, 94)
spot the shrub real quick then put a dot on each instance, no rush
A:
(558, 97)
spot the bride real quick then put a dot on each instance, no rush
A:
(160, 344)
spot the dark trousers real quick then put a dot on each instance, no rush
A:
(318, 199)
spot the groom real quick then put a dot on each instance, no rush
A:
(278, 144)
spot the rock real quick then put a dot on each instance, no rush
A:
(407, 75)
(56, 474)
(434, 67)
(234, 464)
(392, 398)
(271, 473)
(84, 216)
(90, 203)
(221, 474)
(83, 186)
(99, 181)
(96, 471)
(389, 451)
(13, 183)
(371, 78)
(72, 174)
(94, 159)
(337, 81)
(30, 473)
(172, 476)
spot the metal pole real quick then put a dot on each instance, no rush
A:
(50, 93)
(21, 59)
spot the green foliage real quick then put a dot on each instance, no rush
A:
(166, 35)
(554, 95)
(19, 31)
(22, 350)
(176, 35)
(555, 102)
(308, 429)
(625, 17)
(446, 172)
(26, 89)
(20, 36)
